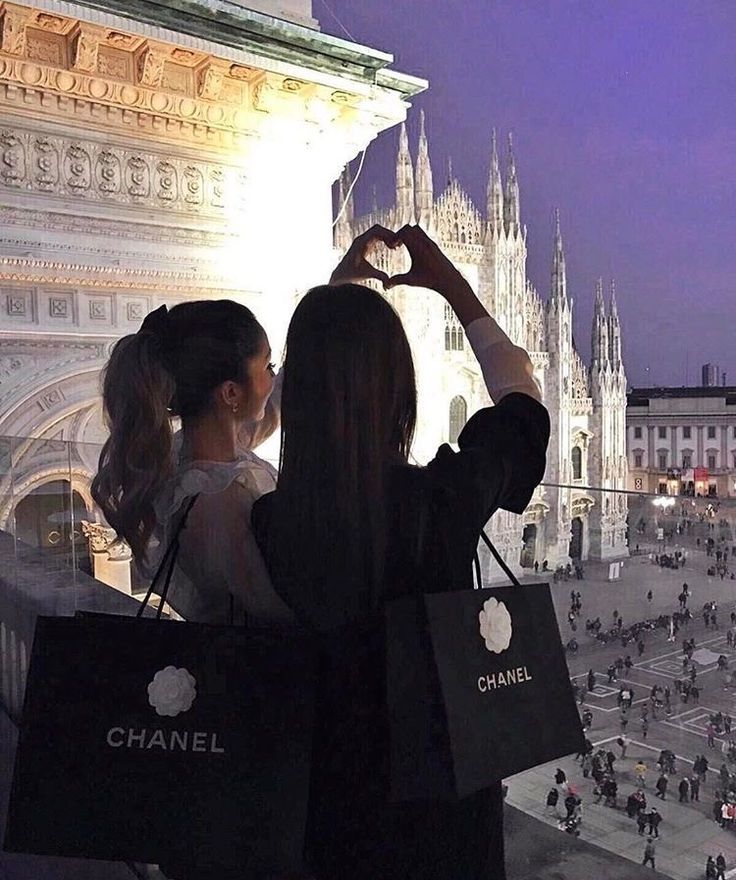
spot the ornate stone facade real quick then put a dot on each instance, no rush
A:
(587, 405)
(149, 162)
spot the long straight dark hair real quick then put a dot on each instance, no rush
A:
(348, 414)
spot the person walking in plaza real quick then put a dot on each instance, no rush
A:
(710, 869)
(642, 820)
(654, 819)
(662, 786)
(640, 770)
(342, 533)
(695, 787)
(650, 852)
(720, 866)
(710, 733)
(684, 790)
(623, 743)
(591, 681)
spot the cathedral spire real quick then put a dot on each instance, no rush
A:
(424, 187)
(511, 209)
(404, 180)
(494, 193)
(345, 212)
(599, 336)
(614, 331)
(558, 292)
(346, 195)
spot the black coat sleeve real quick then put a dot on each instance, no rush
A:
(501, 460)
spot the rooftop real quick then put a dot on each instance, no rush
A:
(641, 396)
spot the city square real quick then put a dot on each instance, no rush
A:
(688, 833)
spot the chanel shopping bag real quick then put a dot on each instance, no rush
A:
(478, 688)
(160, 741)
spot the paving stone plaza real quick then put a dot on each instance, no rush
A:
(688, 832)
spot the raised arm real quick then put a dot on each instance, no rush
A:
(506, 367)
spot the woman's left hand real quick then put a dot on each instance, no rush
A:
(354, 266)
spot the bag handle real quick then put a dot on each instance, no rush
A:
(169, 558)
(499, 559)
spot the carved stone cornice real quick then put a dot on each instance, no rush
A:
(50, 272)
(65, 66)
(117, 229)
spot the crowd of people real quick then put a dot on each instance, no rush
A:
(627, 790)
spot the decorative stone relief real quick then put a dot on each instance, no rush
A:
(45, 163)
(14, 31)
(58, 307)
(12, 159)
(151, 66)
(85, 49)
(51, 164)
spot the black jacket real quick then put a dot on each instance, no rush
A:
(353, 831)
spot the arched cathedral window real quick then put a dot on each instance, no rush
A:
(577, 463)
(454, 334)
(458, 417)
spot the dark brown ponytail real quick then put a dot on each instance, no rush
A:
(136, 459)
(169, 368)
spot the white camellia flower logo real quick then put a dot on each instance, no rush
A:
(172, 691)
(495, 625)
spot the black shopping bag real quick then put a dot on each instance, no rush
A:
(152, 740)
(478, 689)
(159, 741)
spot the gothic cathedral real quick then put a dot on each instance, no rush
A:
(566, 519)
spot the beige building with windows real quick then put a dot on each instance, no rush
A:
(682, 441)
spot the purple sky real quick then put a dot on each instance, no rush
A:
(623, 116)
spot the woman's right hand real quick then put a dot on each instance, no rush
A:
(430, 268)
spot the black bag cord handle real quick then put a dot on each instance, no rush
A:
(499, 559)
(169, 558)
(476, 559)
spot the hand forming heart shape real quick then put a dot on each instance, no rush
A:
(429, 266)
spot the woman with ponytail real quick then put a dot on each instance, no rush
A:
(207, 363)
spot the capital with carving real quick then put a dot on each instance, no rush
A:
(103, 539)
(151, 66)
(14, 24)
(85, 46)
(211, 80)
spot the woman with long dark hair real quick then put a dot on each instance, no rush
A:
(341, 534)
(207, 363)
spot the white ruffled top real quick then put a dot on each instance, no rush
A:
(218, 556)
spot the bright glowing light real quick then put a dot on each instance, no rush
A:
(664, 502)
